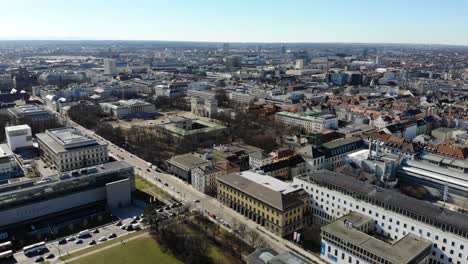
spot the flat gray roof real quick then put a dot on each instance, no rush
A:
(64, 139)
(187, 161)
(403, 251)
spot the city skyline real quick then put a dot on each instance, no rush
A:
(399, 22)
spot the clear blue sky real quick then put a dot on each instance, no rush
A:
(390, 21)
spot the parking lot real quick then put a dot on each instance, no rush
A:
(76, 242)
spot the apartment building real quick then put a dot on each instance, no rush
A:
(274, 204)
(68, 149)
(333, 195)
(204, 179)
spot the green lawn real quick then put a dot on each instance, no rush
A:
(141, 184)
(103, 244)
(139, 251)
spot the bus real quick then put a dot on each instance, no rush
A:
(6, 254)
(84, 233)
(34, 249)
(5, 245)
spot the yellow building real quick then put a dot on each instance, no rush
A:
(280, 210)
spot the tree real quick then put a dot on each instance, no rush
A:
(222, 98)
(86, 115)
(242, 228)
(253, 237)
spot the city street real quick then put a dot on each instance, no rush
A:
(184, 192)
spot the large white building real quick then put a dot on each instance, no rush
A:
(68, 149)
(18, 137)
(395, 215)
(307, 122)
(124, 108)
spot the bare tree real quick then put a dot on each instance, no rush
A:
(242, 228)
(253, 238)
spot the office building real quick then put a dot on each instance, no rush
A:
(68, 149)
(350, 239)
(308, 123)
(333, 195)
(273, 204)
(110, 67)
(18, 137)
(26, 200)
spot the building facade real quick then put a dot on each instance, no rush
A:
(26, 200)
(68, 149)
(127, 108)
(18, 137)
(333, 195)
(280, 210)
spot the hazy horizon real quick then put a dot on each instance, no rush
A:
(298, 21)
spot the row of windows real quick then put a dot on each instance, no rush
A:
(326, 214)
(382, 204)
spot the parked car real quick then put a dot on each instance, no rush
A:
(92, 242)
(72, 238)
(62, 241)
(113, 235)
(50, 256)
(102, 239)
(39, 259)
(79, 241)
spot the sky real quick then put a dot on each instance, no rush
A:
(361, 21)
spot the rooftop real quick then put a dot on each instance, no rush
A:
(341, 142)
(387, 198)
(403, 251)
(306, 116)
(16, 128)
(66, 138)
(188, 161)
(28, 110)
(261, 192)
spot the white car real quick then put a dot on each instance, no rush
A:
(71, 238)
(102, 239)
